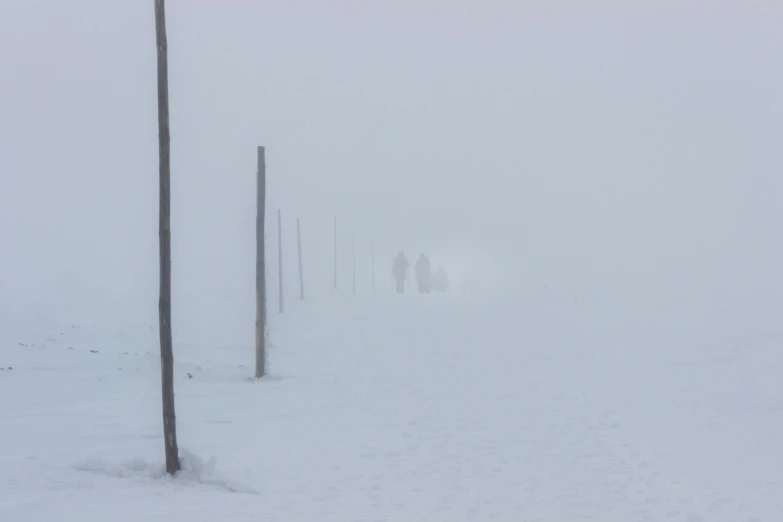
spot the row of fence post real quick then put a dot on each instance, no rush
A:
(261, 286)
(301, 263)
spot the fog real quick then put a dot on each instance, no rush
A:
(601, 144)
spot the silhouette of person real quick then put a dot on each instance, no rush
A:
(423, 274)
(400, 271)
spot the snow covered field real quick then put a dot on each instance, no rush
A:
(553, 406)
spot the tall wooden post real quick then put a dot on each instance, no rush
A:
(353, 256)
(260, 265)
(335, 251)
(280, 257)
(164, 233)
(299, 251)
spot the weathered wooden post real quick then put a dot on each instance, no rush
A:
(299, 251)
(280, 256)
(260, 265)
(164, 233)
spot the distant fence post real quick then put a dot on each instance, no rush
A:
(373, 267)
(335, 251)
(353, 257)
(299, 250)
(260, 265)
(280, 256)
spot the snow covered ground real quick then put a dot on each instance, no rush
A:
(555, 405)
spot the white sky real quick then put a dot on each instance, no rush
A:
(613, 143)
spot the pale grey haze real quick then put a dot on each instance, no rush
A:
(611, 144)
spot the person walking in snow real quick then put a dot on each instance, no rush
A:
(400, 271)
(423, 274)
(440, 280)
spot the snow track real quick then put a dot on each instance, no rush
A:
(549, 407)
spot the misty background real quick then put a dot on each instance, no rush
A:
(551, 143)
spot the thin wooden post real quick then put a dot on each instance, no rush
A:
(299, 251)
(335, 252)
(164, 233)
(353, 256)
(373, 267)
(280, 256)
(260, 265)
